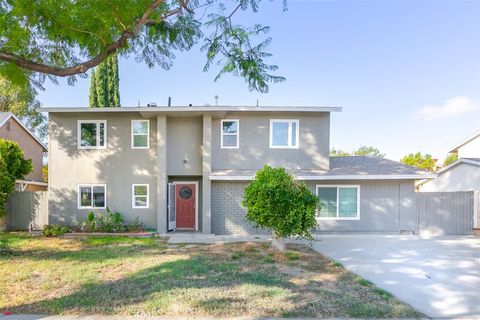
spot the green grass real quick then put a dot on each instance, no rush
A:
(364, 282)
(292, 255)
(145, 276)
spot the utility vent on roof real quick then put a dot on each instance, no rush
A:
(152, 104)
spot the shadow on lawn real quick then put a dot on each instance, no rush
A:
(193, 273)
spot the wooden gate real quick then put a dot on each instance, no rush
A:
(446, 213)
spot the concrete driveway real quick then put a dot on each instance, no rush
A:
(439, 276)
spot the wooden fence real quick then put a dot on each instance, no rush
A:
(446, 213)
(27, 210)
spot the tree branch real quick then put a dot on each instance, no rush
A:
(121, 42)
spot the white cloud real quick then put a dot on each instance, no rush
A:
(452, 107)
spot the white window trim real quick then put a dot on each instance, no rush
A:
(230, 134)
(97, 138)
(289, 121)
(148, 133)
(133, 195)
(338, 186)
(79, 203)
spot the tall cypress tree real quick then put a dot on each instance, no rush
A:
(116, 82)
(93, 98)
(106, 84)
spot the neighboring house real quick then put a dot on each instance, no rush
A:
(463, 174)
(187, 167)
(11, 128)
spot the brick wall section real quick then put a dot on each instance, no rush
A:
(228, 215)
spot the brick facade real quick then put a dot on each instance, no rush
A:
(228, 215)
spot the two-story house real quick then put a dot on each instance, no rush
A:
(186, 167)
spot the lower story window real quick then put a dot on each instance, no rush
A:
(140, 196)
(92, 196)
(339, 202)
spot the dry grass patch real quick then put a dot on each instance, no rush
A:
(121, 275)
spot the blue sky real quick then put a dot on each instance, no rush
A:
(407, 73)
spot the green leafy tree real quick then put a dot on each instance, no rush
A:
(104, 84)
(451, 158)
(420, 161)
(274, 200)
(339, 153)
(92, 97)
(65, 38)
(368, 151)
(13, 166)
(22, 103)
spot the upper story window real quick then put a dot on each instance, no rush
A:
(92, 134)
(230, 134)
(284, 133)
(339, 202)
(92, 196)
(140, 134)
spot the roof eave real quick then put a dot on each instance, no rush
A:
(193, 109)
(25, 128)
(464, 142)
(334, 177)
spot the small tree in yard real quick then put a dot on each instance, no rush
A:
(276, 201)
(13, 166)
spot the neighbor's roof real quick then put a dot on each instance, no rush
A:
(464, 142)
(5, 116)
(472, 161)
(196, 109)
(343, 168)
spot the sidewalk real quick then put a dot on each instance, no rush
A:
(102, 317)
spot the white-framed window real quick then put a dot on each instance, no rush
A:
(92, 134)
(284, 134)
(230, 130)
(339, 202)
(140, 195)
(92, 196)
(140, 134)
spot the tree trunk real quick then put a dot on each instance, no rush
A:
(278, 244)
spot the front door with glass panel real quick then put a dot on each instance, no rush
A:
(185, 205)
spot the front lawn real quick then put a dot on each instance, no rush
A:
(121, 275)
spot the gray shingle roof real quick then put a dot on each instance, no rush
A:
(363, 165)
(350, 168)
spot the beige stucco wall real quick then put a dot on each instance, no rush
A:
(31, 148)
(471, 149)
(462, 177)
(254, 150)
(184, 142)
(118, 166)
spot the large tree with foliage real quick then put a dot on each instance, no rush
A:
(22, 103)
(66, 38)
(13, 166)
(274, 200)
(451, 158)
(420, 161)
(368, 151)
(104, 84)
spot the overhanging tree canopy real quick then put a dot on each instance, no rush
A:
(65, 38)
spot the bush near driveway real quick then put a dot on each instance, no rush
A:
(146, 276)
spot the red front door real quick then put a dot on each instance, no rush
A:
(185, 195)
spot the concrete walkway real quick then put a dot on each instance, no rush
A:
(439, 276)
